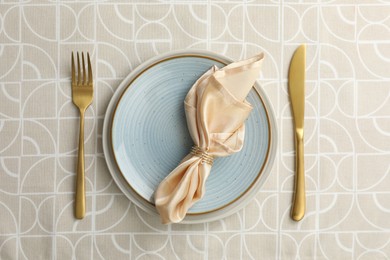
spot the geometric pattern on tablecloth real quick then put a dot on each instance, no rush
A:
(347, 127)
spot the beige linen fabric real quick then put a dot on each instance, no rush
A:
(347, 127)
(216, 111)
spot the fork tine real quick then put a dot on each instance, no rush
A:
(90, 77)
(84, 71)
(73, 71)
(78, 69)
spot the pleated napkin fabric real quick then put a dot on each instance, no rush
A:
(216, 111)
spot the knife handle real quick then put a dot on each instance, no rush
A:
(299, 200)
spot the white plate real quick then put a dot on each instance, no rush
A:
(145, 136)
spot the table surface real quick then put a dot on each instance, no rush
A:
(347, 144)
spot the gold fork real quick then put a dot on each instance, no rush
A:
(82, 96)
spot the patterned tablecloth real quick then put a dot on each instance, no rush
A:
(347, 127)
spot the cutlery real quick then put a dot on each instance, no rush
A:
(82, 96)
(296, 87)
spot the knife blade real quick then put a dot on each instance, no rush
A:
(296, 87)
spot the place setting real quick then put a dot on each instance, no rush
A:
(194, 129)
(190, 136)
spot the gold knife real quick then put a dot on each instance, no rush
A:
(296, 87)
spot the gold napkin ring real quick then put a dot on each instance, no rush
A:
(206, 158)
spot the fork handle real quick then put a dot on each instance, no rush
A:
(299, 200)
(80, 181)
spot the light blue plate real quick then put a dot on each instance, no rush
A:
(150, 136)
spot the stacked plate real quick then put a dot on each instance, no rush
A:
(145, 136)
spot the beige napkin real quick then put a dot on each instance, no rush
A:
(216, 110)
